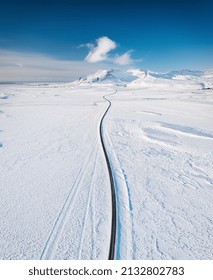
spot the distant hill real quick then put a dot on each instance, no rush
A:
(137, 78)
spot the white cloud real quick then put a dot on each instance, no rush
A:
(124, 59)
(100, 52)
(18, 66)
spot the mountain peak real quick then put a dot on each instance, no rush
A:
(137, 78)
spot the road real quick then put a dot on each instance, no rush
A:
(113, 225)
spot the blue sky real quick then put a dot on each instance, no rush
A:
(159, 35)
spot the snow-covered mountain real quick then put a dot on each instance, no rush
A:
(136, 78)
(106, 77)
(174, 79)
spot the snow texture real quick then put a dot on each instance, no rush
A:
(55, 191)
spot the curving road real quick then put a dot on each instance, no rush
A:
(51, 244)
(113, 225)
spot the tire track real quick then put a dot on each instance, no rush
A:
(51, 243)
(60, 222)
(87, 210)
(111, 255)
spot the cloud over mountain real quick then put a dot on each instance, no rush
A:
(101, 52)
(124, 59)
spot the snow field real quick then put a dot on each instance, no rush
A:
(55, 194)
(55, 191)
(164, 142)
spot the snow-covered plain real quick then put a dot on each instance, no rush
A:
(163, 143)
(55, 198)
(55, 191)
